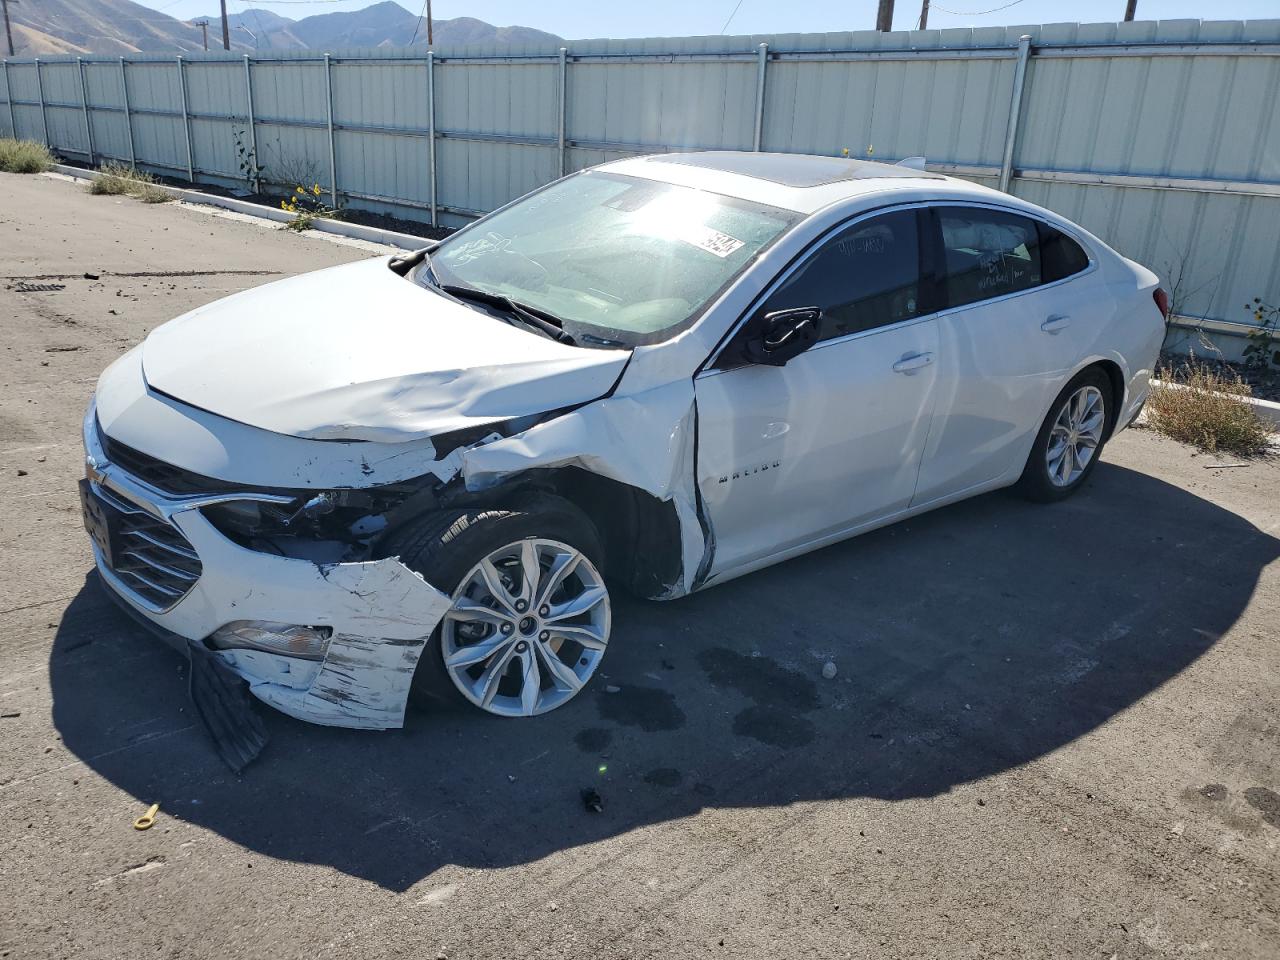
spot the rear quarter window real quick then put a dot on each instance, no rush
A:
(1060, 256)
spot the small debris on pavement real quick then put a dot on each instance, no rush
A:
(592, 801)
(828, 671)
(24, 287)
(1222, 466)
(22, 473)
(90, 276)
(145, 821)
(10, 716)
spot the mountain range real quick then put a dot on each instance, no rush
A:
(122, 27)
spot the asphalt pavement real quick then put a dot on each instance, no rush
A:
(1052, 732)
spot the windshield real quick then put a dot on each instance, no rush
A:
(613, 258)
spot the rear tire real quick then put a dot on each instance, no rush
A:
(482, 557)
(1070, 440)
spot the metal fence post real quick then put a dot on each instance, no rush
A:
(253, 133)
(431, 130)
(128, 114)
(1015, 111)
(44, 117)
(762, 62)
(8, 98)
(186, 119)
(84, 109)
(333, 157)
(560, 122)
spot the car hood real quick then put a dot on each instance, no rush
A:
(358, 352)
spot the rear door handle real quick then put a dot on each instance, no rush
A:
(913, 362)
(1055, 323)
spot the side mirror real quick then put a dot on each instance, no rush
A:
(781, 335)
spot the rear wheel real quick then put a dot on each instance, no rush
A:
(1070, 440)
(531, 614)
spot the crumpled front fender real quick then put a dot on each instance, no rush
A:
(645, 440)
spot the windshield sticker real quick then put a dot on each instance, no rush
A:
(712, 241)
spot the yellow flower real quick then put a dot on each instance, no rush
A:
(316, 189)
(300, 190)
(284, 205)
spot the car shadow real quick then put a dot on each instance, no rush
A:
(966, 642)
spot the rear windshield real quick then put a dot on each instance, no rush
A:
(617, 258)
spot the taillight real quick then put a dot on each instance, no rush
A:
(1162, 301)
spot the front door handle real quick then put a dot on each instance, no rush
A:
(913, 362)
(1055, 323)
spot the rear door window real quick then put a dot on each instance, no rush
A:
(987, 253)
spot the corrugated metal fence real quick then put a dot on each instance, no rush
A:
(1160, 137)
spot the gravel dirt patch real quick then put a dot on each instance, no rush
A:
(1052, 731)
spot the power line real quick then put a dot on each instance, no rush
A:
(974, 13)
(81, 16)
(736, 7)
(417, 23)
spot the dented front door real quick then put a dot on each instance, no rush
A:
(788, 455)
(832, 440)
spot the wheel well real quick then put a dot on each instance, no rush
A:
(1116, 378)
(641, 533)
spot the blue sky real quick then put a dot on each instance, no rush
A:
(578, 19)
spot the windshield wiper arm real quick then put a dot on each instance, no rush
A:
(546, 323)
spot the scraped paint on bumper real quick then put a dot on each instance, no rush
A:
(381, 612)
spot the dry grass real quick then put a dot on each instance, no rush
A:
(1205, 406)
(24, 156)
(118, 180)
(305, 220)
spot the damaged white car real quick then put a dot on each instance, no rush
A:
(660, 373)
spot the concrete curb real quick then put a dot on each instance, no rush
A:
(355, 231)
(1267, 410)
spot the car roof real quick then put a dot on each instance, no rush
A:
(801, 182)
(793, 169)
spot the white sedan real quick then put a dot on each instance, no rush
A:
(428, 472)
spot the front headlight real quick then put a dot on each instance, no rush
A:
(290, 640)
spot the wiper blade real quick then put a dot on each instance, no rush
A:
(545, 323)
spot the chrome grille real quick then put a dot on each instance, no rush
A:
(165, 477)
(149, 556)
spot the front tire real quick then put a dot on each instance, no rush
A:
(531, 614)
(1070, 440)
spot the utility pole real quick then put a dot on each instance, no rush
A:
(924, 15)
(430, 38)
(204, 29)
(884, 16)
(226, 31)
(8, 31)
(1130, 10)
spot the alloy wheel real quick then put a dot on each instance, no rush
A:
(527, 629)
(1076, 433)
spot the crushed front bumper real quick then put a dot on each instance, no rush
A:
(381, 613)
